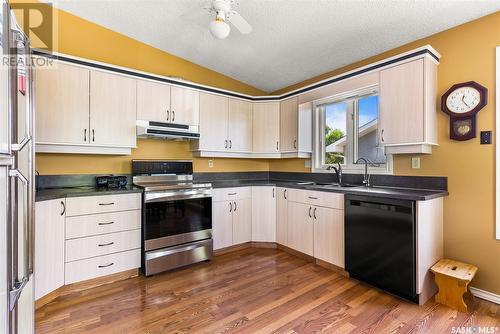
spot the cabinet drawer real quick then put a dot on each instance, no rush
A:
(100, 266)
(86, 226)
(77, 206)
(318, 198)
(229, 194)
(82, 248)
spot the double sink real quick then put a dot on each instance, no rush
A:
(328, 185)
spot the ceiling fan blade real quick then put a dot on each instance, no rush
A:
(240, 23)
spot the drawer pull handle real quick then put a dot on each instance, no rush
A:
(311, 197)
(106, 265)
(231, 194)
(108, 244)
(105, 223)
(110, 203)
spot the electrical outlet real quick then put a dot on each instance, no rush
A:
(307, 163)
(210, 164)
(415, 162)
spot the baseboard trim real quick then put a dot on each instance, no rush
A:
(486, 295)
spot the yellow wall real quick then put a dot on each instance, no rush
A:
(469, 211)
(85, 39)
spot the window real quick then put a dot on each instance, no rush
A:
(346, 130)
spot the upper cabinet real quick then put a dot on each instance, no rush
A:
(240, 126)
(153, 101)
(84, 111)
(295, 128)
(168, 104)
(185, 106)
(112, 109)
(213, 123)
(408, 107)
(266, 127)
(62, 105)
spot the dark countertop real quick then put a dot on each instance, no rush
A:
(55, 193)
(385, 192)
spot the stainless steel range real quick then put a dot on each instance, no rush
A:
(177, 215)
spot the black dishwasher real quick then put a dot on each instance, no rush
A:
(380, 243)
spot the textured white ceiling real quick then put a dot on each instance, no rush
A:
(292, 40)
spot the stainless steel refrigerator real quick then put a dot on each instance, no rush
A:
(16, 180)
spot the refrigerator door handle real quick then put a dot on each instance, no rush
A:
(15, 293)
(27, 231)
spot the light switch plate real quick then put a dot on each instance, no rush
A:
(415, 162)
(210, 163)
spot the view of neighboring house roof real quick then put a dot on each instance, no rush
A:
(338, 146)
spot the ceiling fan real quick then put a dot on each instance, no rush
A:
(223, 10)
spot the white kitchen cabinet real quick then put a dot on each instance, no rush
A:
(329, 235)
(153, 101)
(49, 246)
(231, 216)
(184, 106)
(112, 109)
(62, 104)
(281, 216)
(168, 104)
(242, 221)
(264, 214)
(266, 127)
(289, 129)
(222, 224)
(301, 227)
(213, 123)
(240, 126)
(407, 107)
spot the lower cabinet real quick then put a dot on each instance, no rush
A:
(264, 214)
(49, 246)
(282, 216)
(329, 235)
(231, 216)
(301, 227)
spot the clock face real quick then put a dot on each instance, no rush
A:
(463, 99)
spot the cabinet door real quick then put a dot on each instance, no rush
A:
(153, 101)
(329, 235)
(301, 227)
(401, 101)
(213, 122)
(266, 124)
(242, 221)
(62, 104)
(222, 224)
(185, 106)
(264, 214)
(112, 109)
(49, 247)
(281, 217)
(240, 126)
(289, 125)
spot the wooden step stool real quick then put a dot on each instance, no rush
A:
(452, 279)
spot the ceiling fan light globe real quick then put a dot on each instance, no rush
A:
(219, 29)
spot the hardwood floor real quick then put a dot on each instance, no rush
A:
(251, 291)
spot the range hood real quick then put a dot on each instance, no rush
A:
(151, 129)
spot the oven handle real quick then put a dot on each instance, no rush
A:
(177, 195)
(179, 249)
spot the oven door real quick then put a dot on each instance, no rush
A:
(176, 217)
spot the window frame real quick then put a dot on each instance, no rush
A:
(349, 166)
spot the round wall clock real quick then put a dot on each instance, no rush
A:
(462, 102)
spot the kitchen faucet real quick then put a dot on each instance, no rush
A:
(366, 177)
(338, 171)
